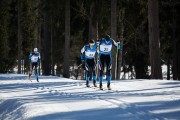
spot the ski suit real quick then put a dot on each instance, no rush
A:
(34, 59)
(105, 59)
(89, 61)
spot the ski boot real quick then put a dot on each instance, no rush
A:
(100, 86)
(30, 76)
(37, 78)
(94, 83)
(87, 84)
(108, 86)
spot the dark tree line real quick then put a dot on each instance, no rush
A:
(147, 29)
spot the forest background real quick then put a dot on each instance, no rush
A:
(147, 29)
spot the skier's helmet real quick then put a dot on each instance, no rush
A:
(107, 38)
(35, 50)
(91, 43)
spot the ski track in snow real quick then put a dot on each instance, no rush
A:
(125, 101)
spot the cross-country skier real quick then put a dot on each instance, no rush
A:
(34, 59)
(89, 52)
(105, 59)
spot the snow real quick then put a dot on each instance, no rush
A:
(57, 98)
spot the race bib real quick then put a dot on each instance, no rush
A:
(90, 54)
(105, 48)
(34, 58)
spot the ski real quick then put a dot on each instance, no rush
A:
(103, 89)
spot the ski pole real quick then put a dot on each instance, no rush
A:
(80, 65)
(97, 58)
(117, 53)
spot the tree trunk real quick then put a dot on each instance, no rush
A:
(168, 68)
(90, 23)
(19, 37)
(39, 40)
(178, 59)
(154, 43)
(120, 51)
(94, 32)
(175, 65)
(113, 36)
(46, 66)
(92, 27)
(36, 27)
(39, 43)
(67, 40)
(52, 52)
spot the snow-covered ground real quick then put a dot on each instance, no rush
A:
(55, 98)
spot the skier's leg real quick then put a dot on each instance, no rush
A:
(36, 71)
(31, 69)
(100, 79)
(108, 79)
(108, 75)
(108, 71)
(87, 78)
(92, 71)
(94, 78)
(87, 73)
(33, 65)
(101, 68)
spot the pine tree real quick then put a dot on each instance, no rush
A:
(114, 36)
(154, 43)
(4, 36)
(67, 40)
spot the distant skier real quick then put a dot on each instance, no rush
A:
(89, 52)
(105, 59)
(34, 59)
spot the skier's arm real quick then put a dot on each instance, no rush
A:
(82, 51)
(117, 44)
(30, 57)
(39, 58)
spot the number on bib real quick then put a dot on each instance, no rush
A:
(34, 58)
(105, 49)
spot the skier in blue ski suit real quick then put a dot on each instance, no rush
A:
(34, 59)
(89, 52)
(105, 58)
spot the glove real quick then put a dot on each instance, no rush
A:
(30, 58)
(86, 67)
(99, 65)
(118, 47)
(110, 66)
(118, 41)
(98, 41)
